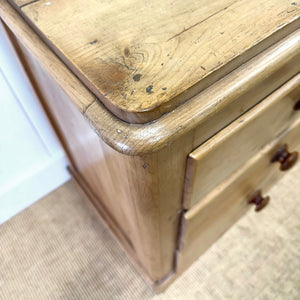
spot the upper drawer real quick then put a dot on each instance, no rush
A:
(216, 159)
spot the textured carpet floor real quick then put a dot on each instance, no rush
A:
(59, 249)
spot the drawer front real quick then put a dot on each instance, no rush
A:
(224, 205)
(224, 153)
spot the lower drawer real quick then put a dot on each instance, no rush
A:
(210, 218)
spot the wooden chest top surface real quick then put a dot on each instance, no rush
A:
(144, 58)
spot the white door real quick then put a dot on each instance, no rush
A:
(32, 162)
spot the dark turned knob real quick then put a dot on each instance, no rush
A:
(285, 158)
(297, 105)
(259, 201)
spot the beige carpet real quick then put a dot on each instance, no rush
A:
(59, 249)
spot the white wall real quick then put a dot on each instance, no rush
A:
(32, 162)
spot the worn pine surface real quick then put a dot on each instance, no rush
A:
(143, 58)
(138, 196)
(205, 114)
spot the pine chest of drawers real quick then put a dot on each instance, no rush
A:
(176, 117)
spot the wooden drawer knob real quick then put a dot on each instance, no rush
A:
(297, 105)
(285, 158)
(259, 201)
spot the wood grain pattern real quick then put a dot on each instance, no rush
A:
(225, 100)
(143, 59)
(139, 179)
(138, 193)
(211, 217)
(221, 155)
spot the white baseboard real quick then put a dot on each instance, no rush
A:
(32, 188)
